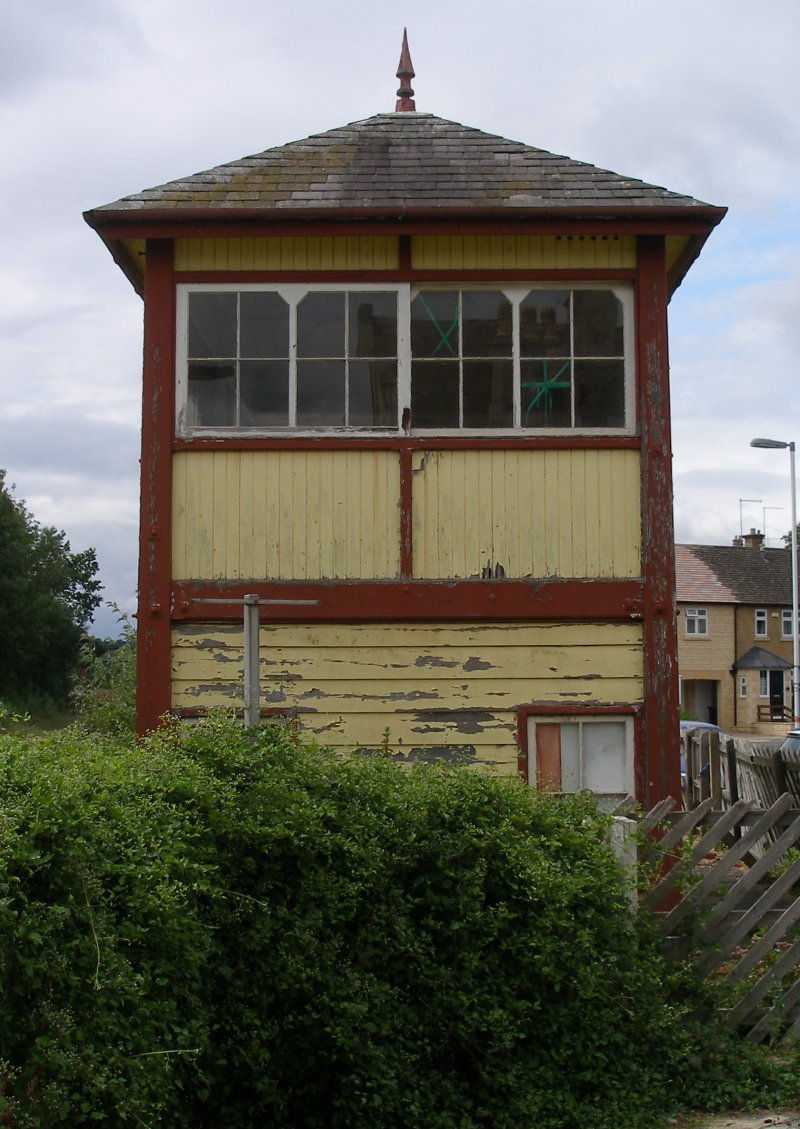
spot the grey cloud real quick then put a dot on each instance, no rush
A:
(41, 42)
(67, 441)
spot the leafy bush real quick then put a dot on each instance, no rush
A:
(224, 926)
(104, 694)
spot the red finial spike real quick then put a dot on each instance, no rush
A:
(405, 72)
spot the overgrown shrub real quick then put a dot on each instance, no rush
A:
(104, 693)
(224, 927)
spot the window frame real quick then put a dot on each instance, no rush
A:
(761, 616)
(293, 292)
(531, 716)
(696, 614)
(742, 685)
(787, 616)
(763, 684)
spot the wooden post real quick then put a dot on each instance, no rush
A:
(624, 846)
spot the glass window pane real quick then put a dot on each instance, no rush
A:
(373, 325)
(598, 324)
(599, 394)
(434, 394)
(320, 325)
(604, 756)
(212, 393)
(434, 324)
(546, 394)
(320, 394)
(212, 324)
(570, 757)
(486, 321)
(488, 394)
(544, 324)
(264, 393)
(373, 394)
(264, 324)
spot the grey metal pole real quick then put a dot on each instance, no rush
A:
(252, 683)
(773, 444)
(795, 601)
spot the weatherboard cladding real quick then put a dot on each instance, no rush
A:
(727, 574)
(402, 160)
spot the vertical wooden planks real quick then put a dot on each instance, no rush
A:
(286, 514)
(567, 513)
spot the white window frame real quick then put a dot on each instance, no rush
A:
(742, 685)
(584, 719)
(761, 623)
(763, 684)
(292, 292)
(786, 623)
(698, 618)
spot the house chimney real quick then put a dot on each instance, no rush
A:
(753, 539)
(738, 542)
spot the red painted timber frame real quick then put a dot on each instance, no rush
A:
(153, 657)
(359, 601)
(649, 599)
(661, 709)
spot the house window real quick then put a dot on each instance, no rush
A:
(742, 685)
(786, 623)
(447, 359)
(763, 683)
(761, 623)
(569, 754)
(696, 621)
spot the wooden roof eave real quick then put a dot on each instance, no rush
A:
(117, 226)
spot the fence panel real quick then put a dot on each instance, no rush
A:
(725, 900)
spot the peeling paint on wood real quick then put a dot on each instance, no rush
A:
(350, 682)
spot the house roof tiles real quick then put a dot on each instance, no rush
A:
(396, 161)
(728, 574)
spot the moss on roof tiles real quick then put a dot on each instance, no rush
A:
(402, 159)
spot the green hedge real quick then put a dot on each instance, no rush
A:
(224, 927)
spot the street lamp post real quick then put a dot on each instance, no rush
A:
(780, 444)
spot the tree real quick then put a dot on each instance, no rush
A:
(47, 597)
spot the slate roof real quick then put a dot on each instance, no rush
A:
(728, 574)
(757, 658)
(396, 162)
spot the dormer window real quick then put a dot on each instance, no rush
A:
(477, 359)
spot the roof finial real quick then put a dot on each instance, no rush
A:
(405, 72)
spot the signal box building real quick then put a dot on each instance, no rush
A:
(415, 374)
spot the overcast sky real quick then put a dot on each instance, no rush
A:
(100, 98)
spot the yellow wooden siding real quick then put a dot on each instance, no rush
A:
(520, 252)
(288, 253)
(451, 687)
(537, 513)
(301, 515)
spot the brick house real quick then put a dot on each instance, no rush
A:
(416, 376)
(735, 634)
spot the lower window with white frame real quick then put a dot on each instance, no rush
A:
(574, 753)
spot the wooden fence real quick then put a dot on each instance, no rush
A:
(728, 769)
(724, 896)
